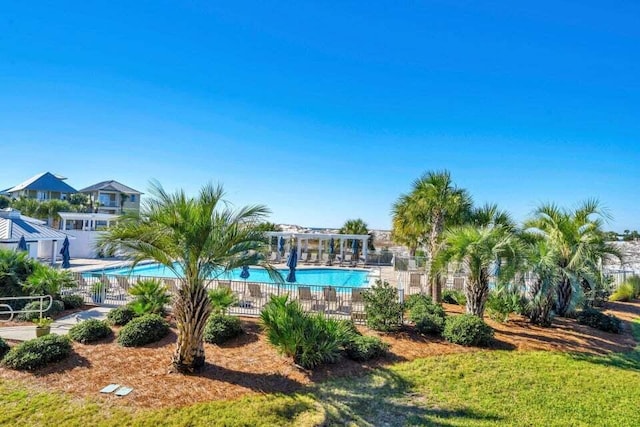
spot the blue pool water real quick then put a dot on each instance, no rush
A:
(307, 276)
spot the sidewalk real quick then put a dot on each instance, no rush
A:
(60, 326)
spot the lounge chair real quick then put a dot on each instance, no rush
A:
(347, 260)
(358, 314)
(325, 259)
(415, 282)
(330, 297)
(256, 295)
(313, 258)
(303, 257)
(306, 297)
(273, 257)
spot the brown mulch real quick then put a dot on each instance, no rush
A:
(249, 365)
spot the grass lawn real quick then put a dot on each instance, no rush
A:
(471, 389)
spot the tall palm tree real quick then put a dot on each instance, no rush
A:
(195, 238)
(477, 249)
(435, 203)
(579, 241)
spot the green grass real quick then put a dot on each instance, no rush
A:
(474, 389)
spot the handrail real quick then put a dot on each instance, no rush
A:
(13, 312)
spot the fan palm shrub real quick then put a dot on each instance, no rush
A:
(477, 250)
(150, 297)
(196, 238)
(580, 242)
(48, 281)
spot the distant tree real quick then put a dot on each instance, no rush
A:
(79, 202)
(611, 236)
(28, 207)
(4, 202)
(357, 226)
(49, 210)
(630, 235)
(268, 226)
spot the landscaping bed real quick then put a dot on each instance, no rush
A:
(249, 365)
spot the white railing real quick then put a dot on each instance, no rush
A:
(7, 309)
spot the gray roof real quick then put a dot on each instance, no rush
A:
(43, 182)
(13, 226)
(110, 186)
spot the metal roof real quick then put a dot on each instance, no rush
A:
(13, 226)
(110, 186)
(44, 182)
(80, 216)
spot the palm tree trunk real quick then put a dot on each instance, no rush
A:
(192, 309)
(436, 280)
(564, 294)
(541, 304)
(477, 294)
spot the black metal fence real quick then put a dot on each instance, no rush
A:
(333, 301)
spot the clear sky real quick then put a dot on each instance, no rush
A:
(326, 111)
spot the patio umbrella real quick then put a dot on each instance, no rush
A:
(22, 244)
(65, 253)
(281, 245)
(354, 246)
(292, 263)
(245, 272)
(332, 246)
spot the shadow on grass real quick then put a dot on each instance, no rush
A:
(385, 398)
(263, 383)
(628, 361)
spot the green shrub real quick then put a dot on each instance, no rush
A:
(221, 299)
(72, 301)
(15, 268)
(36, 353)
(467, 329)
(4, 348)
(221, 328)
(625, 292)
(120, 316)
(381, 305)
(56, 308)
(452, 296)
(634, 281)
(363, 348)
(89, 331)
(46, 280)
(598, 320)
(143, 330)
(151, 296)
(310, 339)
(502, 302)
(428, 316)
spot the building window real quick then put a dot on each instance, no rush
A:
(132, 198)
(41, 195)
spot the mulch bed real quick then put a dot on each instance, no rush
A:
(249, 365)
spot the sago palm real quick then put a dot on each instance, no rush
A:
(477, 249)
(196, 238)
(579, 240)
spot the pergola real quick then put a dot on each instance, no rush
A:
(303, 239)
(89, 220)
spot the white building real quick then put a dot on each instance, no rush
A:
(42, 241)
(86, 228)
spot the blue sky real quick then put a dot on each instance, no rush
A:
(326, 111)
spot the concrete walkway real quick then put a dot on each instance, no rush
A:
(60, 326)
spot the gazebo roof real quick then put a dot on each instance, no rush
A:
(319, 236)
(82, 216)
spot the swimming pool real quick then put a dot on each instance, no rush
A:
(305, 276)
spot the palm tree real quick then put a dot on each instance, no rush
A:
(477, 249)
(405, 230)
(490, 214)
(434, 203)
(195, 238)
(357, 226)
(541, 260)
(579, 241)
